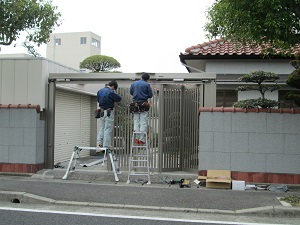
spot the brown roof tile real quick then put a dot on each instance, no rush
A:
(222, 47)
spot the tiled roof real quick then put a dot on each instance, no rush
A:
(221, 47)
(21, 106)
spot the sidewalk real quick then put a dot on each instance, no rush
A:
(95, 186)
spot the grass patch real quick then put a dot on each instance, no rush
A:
(292, 199)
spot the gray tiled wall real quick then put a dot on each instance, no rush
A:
(21, 136)
(250, 142)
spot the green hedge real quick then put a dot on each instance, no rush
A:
(256, 103)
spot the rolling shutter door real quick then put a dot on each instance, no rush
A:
(85, 120)
(72, 124)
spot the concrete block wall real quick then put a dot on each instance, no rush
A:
(21, 138)
(255, 144)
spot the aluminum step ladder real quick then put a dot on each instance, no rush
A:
(75, 155)
(139, 162)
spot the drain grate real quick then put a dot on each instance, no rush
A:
(15, 200)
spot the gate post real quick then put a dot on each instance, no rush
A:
(160, 122)
(50, 126)
(181, 125)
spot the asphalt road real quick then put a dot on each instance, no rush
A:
(153, 195)
(25, 216)
(123, 203)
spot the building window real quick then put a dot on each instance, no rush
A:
(95, 43)
(57, 41)
(83, 40)
(226, 98)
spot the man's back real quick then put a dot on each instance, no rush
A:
(107, 97)
(140, 90)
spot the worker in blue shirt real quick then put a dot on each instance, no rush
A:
(106, 97)
(141, 91)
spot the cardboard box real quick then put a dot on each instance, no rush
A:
(218, 179)
(202, 177)
(238, 185)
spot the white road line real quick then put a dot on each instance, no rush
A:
(131, 217)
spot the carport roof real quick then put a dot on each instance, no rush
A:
(77, 77)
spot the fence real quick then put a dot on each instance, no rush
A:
(173, 127)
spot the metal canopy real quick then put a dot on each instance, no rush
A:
(67, 77)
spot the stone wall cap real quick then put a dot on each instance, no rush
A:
(21, 106)
(246, 110)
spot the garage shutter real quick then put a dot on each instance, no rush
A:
(72, 124)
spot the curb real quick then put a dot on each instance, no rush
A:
(16, 174)
(94, 175)
(23, 197)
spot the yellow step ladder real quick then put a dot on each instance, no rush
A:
(139, 162)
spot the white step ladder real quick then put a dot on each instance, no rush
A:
(75, 155)
(139, 158)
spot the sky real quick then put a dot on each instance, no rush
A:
(143, 35)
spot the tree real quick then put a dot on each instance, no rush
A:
(273, 25)
(294, 80)
(37, 18)
(258, 77)
(100, 63)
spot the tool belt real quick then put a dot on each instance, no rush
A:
(100, 113)
(139, 107)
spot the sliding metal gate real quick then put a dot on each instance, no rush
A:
(178, 146)
(173, 127)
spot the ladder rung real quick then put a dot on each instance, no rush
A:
(138, 174)
(135, 167)
(139, 160)
(139, 154)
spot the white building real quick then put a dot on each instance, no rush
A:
(72, 48)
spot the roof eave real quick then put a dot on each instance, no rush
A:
(184, 57)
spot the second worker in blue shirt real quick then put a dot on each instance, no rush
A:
(141, 92)
(106, 97)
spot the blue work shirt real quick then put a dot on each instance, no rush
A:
(140, 90)
(107, 98)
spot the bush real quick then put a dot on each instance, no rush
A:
(293, 96)
(256, 103)
(294, 79)
(258, 77)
